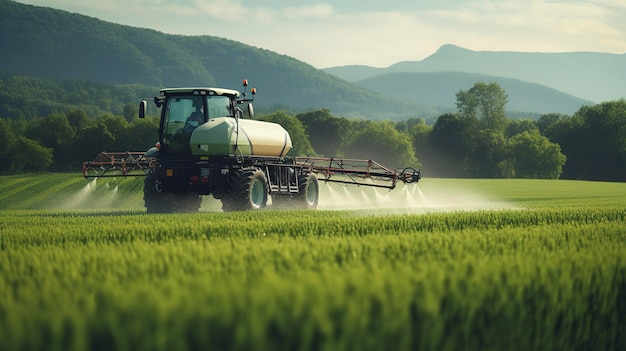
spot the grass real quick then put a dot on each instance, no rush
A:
(533, 265)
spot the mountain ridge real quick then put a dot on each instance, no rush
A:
(440, 88)
(45, 42)
(592, 76)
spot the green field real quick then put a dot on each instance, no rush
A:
(449, 265)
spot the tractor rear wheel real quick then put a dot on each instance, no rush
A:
(247, 190)
(306, 198)
(157, 201)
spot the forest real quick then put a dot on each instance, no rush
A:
(73, 90)
(476, 141)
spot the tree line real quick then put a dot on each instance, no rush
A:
(476, 141)
(62, 141)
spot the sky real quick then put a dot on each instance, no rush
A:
(376, 33)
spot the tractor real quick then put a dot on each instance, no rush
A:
(209, 143)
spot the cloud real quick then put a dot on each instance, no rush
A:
(328, 37)
(529, 26)
(319, 11)
(264, 15)
(378, 34)
(224, 10)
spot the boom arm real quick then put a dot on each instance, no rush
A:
(336, 170)
(357, 171)
(115, 164)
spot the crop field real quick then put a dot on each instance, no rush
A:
(449, 264)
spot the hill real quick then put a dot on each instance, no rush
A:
(592, 76)
(439, 89)
(49, 43)
(47, 50)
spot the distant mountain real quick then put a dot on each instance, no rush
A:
(52, 44)
(439, 89)
(592, 76)
(44, 42)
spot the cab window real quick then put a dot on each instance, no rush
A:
(178, 110)
(219, 106)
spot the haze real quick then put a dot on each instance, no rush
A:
(379, 33)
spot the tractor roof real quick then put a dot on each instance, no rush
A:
(199, 90)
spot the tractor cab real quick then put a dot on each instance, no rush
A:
(185, 109)
(183, 112)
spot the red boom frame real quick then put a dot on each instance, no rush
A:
(352, 171)
(356, 171)
(127, 163)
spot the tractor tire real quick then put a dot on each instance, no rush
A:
(306, 199)
(157, 201)
(247, 190)
(308, 192)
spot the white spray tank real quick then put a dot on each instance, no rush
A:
(225, 136)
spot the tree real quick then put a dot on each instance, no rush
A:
(604, 136)
(20, 154)
(419, 134)
(546, 121)
(29, 156)
(117, 126)
(518, 126)
(144, 133)
(92, 140)
(56, 133)
(567, 132)
(52, 131)
(535, 156)
(381, 142)
(485, 102)
(130, 111)
(9, 139)
(594, 140)
(406, 125)
(327, 133)
(450, 146)
(490, 156)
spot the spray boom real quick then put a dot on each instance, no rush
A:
(356, 172)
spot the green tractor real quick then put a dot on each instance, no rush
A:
(210, 144)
